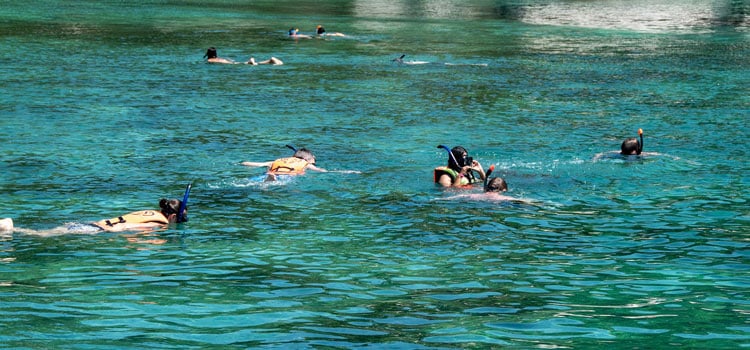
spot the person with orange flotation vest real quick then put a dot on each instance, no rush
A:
(171, 211)
(302, 159)
(460, 169)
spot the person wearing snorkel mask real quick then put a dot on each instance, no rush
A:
(302, 160)
(146, 219)
(459, 171)
(294, 34)
(143, 220)
(632, 146)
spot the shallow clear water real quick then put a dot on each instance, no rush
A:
(108, 107)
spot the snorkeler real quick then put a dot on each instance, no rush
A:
(212, 57)
(460, 169)
(632, 145)
(294, 34)
(171, 211)
(322, 32)
(302, 160)
(400, 61)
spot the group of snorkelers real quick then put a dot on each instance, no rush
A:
(461, 171)
(212, 55)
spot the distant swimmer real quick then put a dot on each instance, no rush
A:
(303, 159)
(632, 145)
(460, 169)
(321, 32)
(400, 60)
(171, 211)
(294, 34)
(212, 57)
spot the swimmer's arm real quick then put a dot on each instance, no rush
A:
(445, 181)
(314, 168)
(256, 164)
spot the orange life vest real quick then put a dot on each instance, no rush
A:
(136, 217)
(288, 166)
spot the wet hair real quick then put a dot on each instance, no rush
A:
(458, 155)
(631, 146)
(210, 53)
(496, 184)
(171, 206)
(305, 154)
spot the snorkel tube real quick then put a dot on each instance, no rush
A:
(640, 142)
(183, 205)
(487, 176)
(471, 174)
(291, 147)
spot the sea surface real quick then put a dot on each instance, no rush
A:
(108, 106)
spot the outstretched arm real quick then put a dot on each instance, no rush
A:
(256, 164)
(313, 167)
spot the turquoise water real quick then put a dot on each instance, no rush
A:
(109, 106)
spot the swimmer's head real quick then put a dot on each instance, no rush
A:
(305, 154)
(496, 184)
(171, 207)
(632, 146)
(457, 159)
(210, 53)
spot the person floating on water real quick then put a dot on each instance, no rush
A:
(632, 146)
(212, 57)
(460, 169)
(400, 60)
(303, 159)
(171, 211)
(321, 32)
(294, 34)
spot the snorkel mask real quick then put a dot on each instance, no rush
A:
(181, 216)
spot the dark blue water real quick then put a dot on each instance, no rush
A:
(109, 106)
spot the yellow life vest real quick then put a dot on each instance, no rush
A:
(136, 217)
(444, 170)
(290, 166)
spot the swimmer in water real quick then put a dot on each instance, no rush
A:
(632, 146)
(144, 220)
(400, 60)
(321, 32)
(460, 169)
(303, 159)
(294, 34)
(212, 57)
(494, 189)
